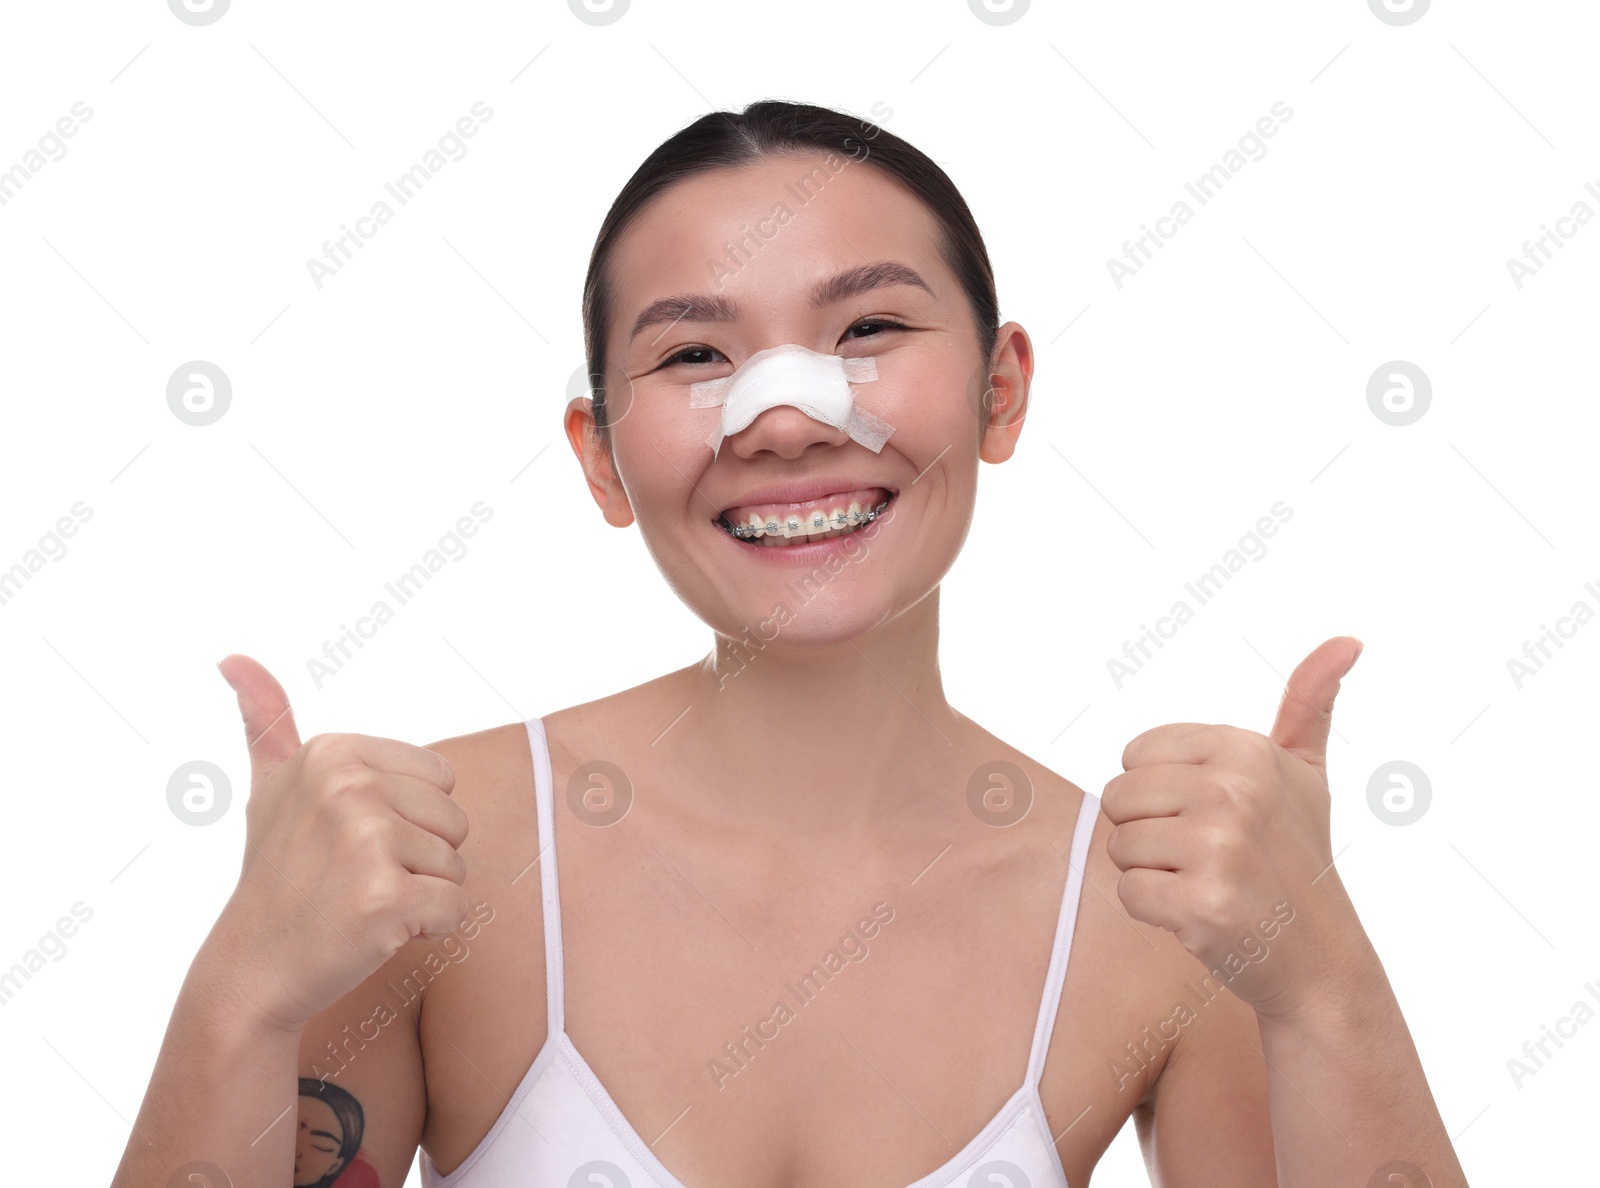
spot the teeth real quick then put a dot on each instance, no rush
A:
(815, 524)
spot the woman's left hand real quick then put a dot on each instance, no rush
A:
(1222, 836)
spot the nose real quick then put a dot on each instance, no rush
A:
(784, 431)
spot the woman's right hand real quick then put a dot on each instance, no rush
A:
(351, 850)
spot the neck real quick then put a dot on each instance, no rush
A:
(820, 738)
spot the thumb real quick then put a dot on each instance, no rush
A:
(1306, 712)
(269, 728)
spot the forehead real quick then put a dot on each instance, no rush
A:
(319, 1113)
(767, 232)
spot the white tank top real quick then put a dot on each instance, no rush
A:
(561, 1129)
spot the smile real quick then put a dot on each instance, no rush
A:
(823, 518)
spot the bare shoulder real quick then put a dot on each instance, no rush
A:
(474, 1051)
(488, 763)
(494, 786)
(1115, 1032)
(483, 1020)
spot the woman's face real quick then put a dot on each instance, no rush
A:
(316, 1149)
(834, 255)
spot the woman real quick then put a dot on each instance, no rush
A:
(785, 916)
(328, 1139)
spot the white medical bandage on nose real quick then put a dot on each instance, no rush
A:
(816, 384)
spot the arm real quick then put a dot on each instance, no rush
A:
(1223, 838)
(351, 857)
(225, 1069)
(1328, 1098)
(224, 1090)
(1350, 1056)
(361, 1086)
(1207, 1120)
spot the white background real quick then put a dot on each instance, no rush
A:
(1168, 415)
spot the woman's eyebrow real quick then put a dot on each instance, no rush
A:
(711, 307)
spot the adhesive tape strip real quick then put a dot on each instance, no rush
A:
(816, 384)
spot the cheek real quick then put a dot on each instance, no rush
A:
(925, 399)
(935, 433)
(659, 414)
(660, 450)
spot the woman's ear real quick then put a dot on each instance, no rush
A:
(1004, 404)
(599, 469)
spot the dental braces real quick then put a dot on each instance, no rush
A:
(818, 520)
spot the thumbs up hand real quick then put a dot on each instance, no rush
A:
(350, 851)
(1221, 832)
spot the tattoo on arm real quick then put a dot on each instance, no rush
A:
(327, 1149)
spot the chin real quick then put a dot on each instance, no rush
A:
(792, 622)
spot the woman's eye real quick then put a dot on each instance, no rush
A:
(875, 322)
(682, 356)
(875, 325)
